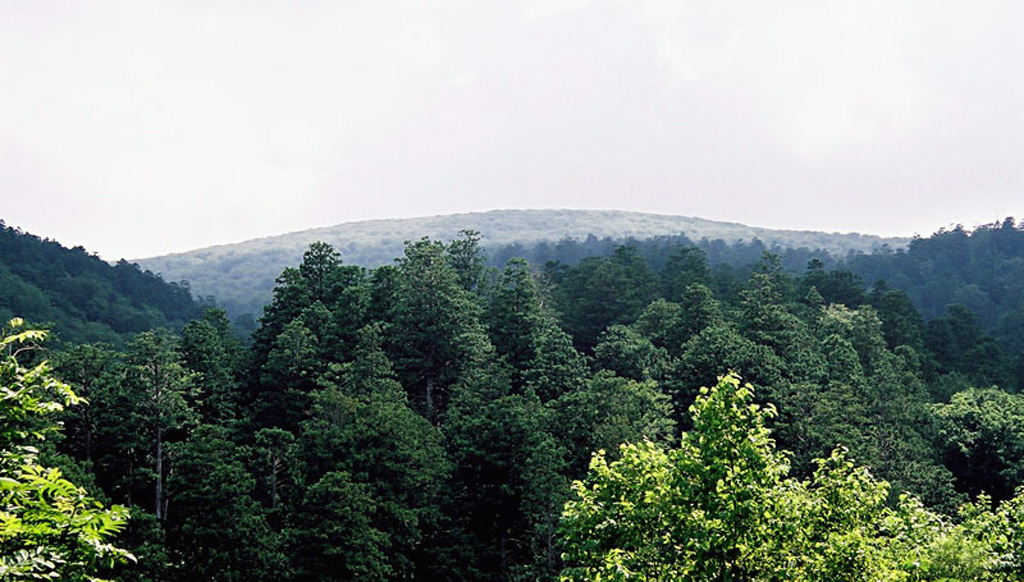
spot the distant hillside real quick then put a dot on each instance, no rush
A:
(81, 297)
(981, 269)
(240, 276)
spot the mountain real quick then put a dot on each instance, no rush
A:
(240, 276)
(81, 297)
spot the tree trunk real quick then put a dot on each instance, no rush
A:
(159, 474)
(430, 400)
(88, 439)
(274, 468)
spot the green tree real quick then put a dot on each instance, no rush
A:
(768, 319)
(602, 291)
(958, 344)
(217, 531)
(514, 315)
(838, 286)
(312, 321)
(692, 513)
(661, 323)
(626, 352)
(50, 528)
(165, 392)
(981, 432)
(901, 323)
(333, 533)
(685, 266)
(436, 337)
(468, 259)
(209, 349)
(274, 465)
(527, 338)
(507, 484)
(363, 442)
(607, 412)
(721, 508)
(700, 310)
(715, 351)
(90, 368)
(873, 401)
(987, 544)
(288, 378)
(558, 368)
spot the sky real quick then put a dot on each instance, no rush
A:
(138, 128)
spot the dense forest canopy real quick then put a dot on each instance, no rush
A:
(980, 269)
(440, 418)
(241, 275)
(80, 296)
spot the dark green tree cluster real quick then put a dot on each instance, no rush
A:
(979, 269)
(420, 421)
(81, 297)
(425, 420)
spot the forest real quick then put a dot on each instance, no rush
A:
(81, 297)
(639, 414)
(241, 275)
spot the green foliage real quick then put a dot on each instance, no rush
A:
(608, 411)
(526, 337)
(715, 351)
(837, 286)
(697, 512)
(686, 266)
(514, 314)
(288, 377)
(901, 322)
(603, 291)
(210, 350)
(987, 544)
(82, 297)
(981, 270)
(721, 507)
(982, 436)
(424, 421)
(436, 337)
(958, 344)
(468, 259)
(50, 528)
(334, 536)
(374, 469)
(507, 483)
(216, 530)
(626, 352)
(91, 368)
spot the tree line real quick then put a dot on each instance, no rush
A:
(82, 298)
(428, 420)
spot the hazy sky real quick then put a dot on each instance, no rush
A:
(138, 127)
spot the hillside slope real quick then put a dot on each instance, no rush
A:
(80, 296)
(241, 275)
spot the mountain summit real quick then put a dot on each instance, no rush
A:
(242, 275)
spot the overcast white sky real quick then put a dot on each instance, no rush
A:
(139, 127)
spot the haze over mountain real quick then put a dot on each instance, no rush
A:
(227, 121)
(240, 276)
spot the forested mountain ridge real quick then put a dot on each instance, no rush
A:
(80, 296)
(240, 276)
(436, 419)
(982, 269)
